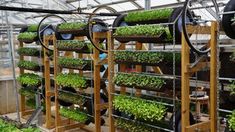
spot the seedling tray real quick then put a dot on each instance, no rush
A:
(149, 22)
(76, 32)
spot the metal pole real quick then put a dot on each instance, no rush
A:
(147, 5)
(11, 47)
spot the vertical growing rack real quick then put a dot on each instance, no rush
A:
(86, 94)
(120, 113)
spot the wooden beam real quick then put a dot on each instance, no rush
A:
(198, 29)
(184, 85)
(213, 78)
(111, 86)
(199, 127)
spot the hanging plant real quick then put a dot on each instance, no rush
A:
(32, 28)
(232, 87)
(29, 79)
(150, 15)
(27, 92)
(140, 108)
(132, 126)
(71, 80)
(29, 65)
(71, 26)
(75, 63)
(27, 36)
(74, 114)
(28, 51)
(70, 97)
(138, 80)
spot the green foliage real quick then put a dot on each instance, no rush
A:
(71, 97)
(138, 80)
(148, 15)
(28, 51)
(72, 26)
(232, 87)
(74, 114)
(8, 127)
(27, 92)
(130, 126)
(231, 121)
(71, 80)
(29, 79)
(73, 62)
(145, 57)
(32, 28)
(232, 57)
(141, 30)
(28, 65)
(73, 44)
(140, 108)
(31, 102)
(27, 36)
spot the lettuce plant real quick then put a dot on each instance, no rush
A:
(70, 97)
(148, 15)
(29, 79)
(145, 57)
(231, 121)
(140, 108)
(73, 62)
(232, 88)
(27, 36)
(32, 28)
(72, 26)
(138, 80)
(27, 92)
(143, 30)
(28, 51)
(71, 80)
(74, 114)
(30, 65)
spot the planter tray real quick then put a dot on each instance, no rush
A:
(84, 68)
(143, 39)
(77, 32)
(35, 69)
(149, 21)
(85, 48)
(28, 40)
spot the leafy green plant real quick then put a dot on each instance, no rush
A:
(145, 57)
(143, 30)
(138, 80)
(140, 108)
(74, 62)
(74, 114)
(32, 28)
(148, 15)
(28, 51)
(29, 79)
(71, 80)
(130, 126)
(231, 121)
(70, 97)
(30, 65)
(232, 87)
(31, 102)
(72, 26)
(232, 57)
(9, 127)
(27, 92)
(27, 36)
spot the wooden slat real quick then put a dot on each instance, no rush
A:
(68, 127)
(198, 29)
(199, 127)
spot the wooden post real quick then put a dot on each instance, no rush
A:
(47, 83)
(96, 84)
(213, 77)
(111, 88)
(138, 67)
(184, 85)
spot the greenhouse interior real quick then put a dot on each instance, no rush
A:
(117, 66)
